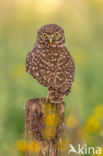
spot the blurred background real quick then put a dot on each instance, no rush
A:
(82, 21)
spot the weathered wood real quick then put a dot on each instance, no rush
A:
(45, 124)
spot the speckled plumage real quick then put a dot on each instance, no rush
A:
(51, 64)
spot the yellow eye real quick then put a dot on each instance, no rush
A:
(57, 35)
(44, 36)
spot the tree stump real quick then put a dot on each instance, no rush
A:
(45, 128)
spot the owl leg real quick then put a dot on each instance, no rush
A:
(54, 95)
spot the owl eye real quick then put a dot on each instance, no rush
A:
(57, 35)
(44, 36)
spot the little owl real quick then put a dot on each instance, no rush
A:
(50, 63)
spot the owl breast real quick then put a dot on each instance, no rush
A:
(51, 67)
(46, 64)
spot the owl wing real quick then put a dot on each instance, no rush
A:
(29, 64)
(32, 64)
(63, 77)
(36, 66)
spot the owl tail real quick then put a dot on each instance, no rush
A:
(55, 96)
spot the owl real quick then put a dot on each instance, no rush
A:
(50, 63)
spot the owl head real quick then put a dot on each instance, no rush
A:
(51, 35)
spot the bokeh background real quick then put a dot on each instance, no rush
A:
(82, 21)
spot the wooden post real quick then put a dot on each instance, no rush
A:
(45, 128)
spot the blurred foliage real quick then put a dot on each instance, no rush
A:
(82, 21)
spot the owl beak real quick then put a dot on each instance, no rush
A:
(50, 40)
